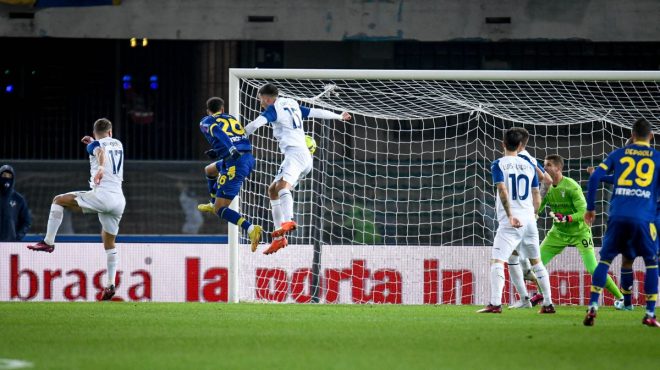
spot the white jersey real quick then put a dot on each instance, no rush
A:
(286, 118)
(519, 176)
(113, 174)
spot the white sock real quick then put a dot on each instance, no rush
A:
(286, 200)
(113, 260)
(496, 283)
(543, 278)
(516, 275)
(277, 212)
(54, 222)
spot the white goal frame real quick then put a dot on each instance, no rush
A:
(235, 74)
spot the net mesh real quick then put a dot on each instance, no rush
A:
(412, 168)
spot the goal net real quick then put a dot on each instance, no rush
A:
(399, 207)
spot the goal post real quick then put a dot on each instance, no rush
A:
(400, 200)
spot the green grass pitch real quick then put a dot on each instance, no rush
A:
(270, 336)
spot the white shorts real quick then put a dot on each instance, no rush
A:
(525, 240)
(296, 165)
(108, 205)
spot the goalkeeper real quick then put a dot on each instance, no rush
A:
(567, 206)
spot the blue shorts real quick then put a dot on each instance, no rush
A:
(232, 174)
(631, 238)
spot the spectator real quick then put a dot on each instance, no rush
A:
(15, 218)
(193, 219)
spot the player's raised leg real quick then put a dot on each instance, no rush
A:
(55, 220)
(230, 180)
(282, 207)
(211, 172)
(223, 211)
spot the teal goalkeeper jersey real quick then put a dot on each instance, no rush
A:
(567, 198)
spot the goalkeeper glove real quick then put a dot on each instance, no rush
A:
(211, 153)
(558, 217)
(234, 153)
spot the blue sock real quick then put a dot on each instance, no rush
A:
(598, 282)
(234, 217)
(627, 279)
(212, 183)
(651, 286)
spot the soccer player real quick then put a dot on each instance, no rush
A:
(631, 230)
(225, 176)
(519, 198)
(567, 207)
(519, 266)
(106, 198)
(627, 277)
(286, 117)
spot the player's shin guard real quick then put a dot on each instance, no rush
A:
(627, 280)
(112, 260)
(651, 286)
(543, 279)
(516, 275)
(598, 282)
(286, 200)
(54, 222)
(234, 217)
(496, 283)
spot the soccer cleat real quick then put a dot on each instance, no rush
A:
(255, 237)
(491, 309)
(108, 293)
(591, 317)
(276, 245)
(523, 303)
(206, 207)
(536, 299)
(42, 247)
(287, 226)
(548, 309)
(651, 321)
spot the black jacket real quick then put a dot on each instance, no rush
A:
(15, 218)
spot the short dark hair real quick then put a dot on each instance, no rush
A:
(269, 90)
(513, 137)
(556, 159)
(525, 135)
(642, 128)
(215, 104)
(102, 125)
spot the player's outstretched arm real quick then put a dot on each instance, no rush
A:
(254, 125)
(324, 114)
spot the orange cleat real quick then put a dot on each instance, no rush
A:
(287, 226)
(276, 245)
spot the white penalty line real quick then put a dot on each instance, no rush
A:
(8, 363)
